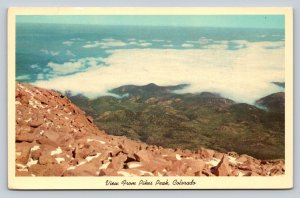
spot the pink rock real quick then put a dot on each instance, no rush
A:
(117, 162)
(20, 129)
(87, 169)
(157, 163)
(195, 165)
(218, 155)
(223, 169)
(22, 152)
(47, 170)
(83, 152)
(51, 135)
(36, 122)
(207, 153)
(143, 156)
(45, 141)
(108, 172)
(179, 167)
(242, 159)
(45, 158)
(22, 173)
(172, 156)
(25, 137)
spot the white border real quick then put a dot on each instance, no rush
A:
(285, 181)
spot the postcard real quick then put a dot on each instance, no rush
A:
(150, 98)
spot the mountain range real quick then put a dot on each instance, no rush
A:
(159, 115)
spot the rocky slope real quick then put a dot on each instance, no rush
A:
(56, 138)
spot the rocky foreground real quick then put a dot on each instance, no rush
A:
(56, 138)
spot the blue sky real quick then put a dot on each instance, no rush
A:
(239, 21)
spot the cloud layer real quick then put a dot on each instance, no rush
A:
(73, 66)
(243, 75)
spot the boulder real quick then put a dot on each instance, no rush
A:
(242, 159)
(88, 169)
(223, 168)
(20, 129)
(143, 156)
(47, 170)
(22, 152)
(195, 165)
(22, 173)
(207, 153)
(51, 135)
(117, 162)
(157, 163)
(108, 172)
(46, 158)
(25, 137)
(178, 168)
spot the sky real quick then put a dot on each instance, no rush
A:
(237, 21)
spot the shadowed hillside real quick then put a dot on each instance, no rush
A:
(158, 115)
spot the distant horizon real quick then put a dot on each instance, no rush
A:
(224, 60)
(213, 27)
(209, 21)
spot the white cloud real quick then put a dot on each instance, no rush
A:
(243, 75)
(109, 43)
(132, 43)
(216, 46)
(73, 66)
(141, 43)
(54, 53)
(273, 44)
(34, 66)
(69, 53)
(262, 35)
(204, 41)
(114, 44)
(68, 43)
(168, 45)
(106, 44)
(76, 39)
(187, 45)
(23, 77)
(48, 52)
(146, 44)
(46, 69)
(158, 40)
(40, 76)
(109, 40)
(192, 41)
(66, 68)
(243, 42)
(89, 45)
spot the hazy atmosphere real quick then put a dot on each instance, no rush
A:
(210, 53)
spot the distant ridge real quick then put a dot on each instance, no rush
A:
(150, 89)
(280, 84)
(160, 115)
(274, 102)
